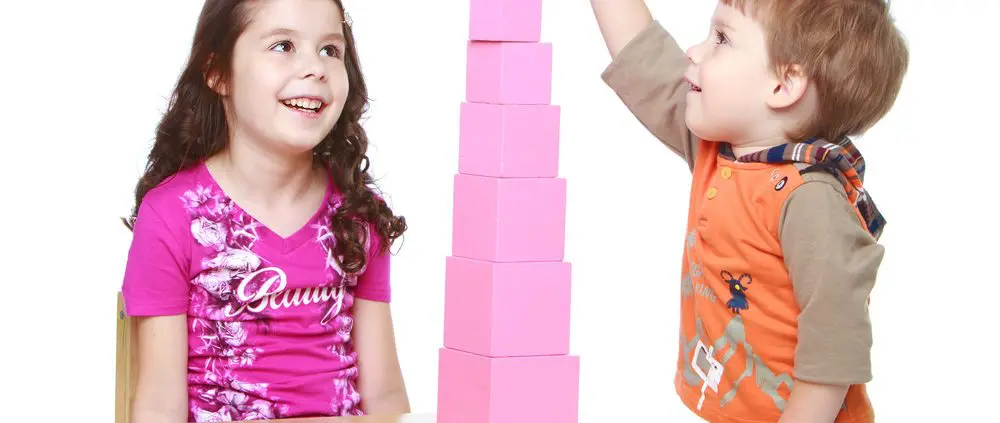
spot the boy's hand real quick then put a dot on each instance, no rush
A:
(620, 21)
(812, 403)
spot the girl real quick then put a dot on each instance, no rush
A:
(259, 263)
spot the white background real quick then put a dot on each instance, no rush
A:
(84, 83)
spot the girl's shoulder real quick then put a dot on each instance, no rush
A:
(181, 181)
(172, 200)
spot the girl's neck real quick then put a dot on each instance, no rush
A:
(264, 177)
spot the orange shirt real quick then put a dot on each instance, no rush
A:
(737, 296)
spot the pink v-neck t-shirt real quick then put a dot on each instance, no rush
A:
(269, 317)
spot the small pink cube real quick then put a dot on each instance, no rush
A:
(477, 389)
(509, 219)
(505, 20)
(509, 73)
(509, 141)
(507, 309)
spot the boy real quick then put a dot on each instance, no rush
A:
(781, 250)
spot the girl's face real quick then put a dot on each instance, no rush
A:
(289, 80)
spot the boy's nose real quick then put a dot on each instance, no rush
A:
(694, 54)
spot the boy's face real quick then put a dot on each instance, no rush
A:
(730, 80)
(289, 79)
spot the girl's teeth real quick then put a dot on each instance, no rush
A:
(304, 103)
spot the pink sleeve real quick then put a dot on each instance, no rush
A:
(156, 274)
(373, 284)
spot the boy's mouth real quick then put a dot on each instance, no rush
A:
(305, 104)
(694, 87)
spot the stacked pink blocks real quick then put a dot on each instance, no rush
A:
(507, 294)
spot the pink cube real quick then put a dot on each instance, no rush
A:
(509, 73)
(509, 219)
(507, 309)
(477, 389)
(505, 20)
(509, 141)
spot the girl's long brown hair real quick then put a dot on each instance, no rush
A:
(194, 128)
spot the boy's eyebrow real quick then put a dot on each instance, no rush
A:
(718, 22)
(335, 36)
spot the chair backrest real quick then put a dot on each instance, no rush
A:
(125, 364)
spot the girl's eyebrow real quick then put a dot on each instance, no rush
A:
(334, 36)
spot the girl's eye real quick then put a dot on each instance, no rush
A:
(720, 38)
(332, 51)
(283, 47)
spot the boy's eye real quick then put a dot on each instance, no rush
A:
(721, 37)
(283, 46)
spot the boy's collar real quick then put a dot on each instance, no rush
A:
(813, 150)
(841, 159)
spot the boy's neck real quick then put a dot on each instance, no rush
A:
(742, 148)
(771, 131)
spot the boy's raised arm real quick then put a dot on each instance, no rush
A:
(620, 21)
(647, 72)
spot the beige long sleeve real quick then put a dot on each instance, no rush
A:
(832, 261)
(648, 76)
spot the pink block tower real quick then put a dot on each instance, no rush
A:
(507, 287)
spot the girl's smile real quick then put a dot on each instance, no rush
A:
(310, 107)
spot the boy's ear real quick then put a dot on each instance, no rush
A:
(790, 85)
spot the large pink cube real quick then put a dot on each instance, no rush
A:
(509, 219)
(509, 140)
(507, 309)
(477, 389)
(508, 73)
(505, 20)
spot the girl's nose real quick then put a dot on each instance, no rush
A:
(313, 68)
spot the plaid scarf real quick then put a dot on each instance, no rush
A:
(842, 160)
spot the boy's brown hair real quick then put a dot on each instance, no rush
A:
(850, 49)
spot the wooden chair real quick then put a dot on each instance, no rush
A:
(125, 368)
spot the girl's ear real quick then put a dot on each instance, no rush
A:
(212, 78)
(213, 81)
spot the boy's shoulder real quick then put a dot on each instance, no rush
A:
(830, 184)
(817, 202)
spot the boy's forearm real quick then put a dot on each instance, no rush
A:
(812, 403)
(620, 21)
